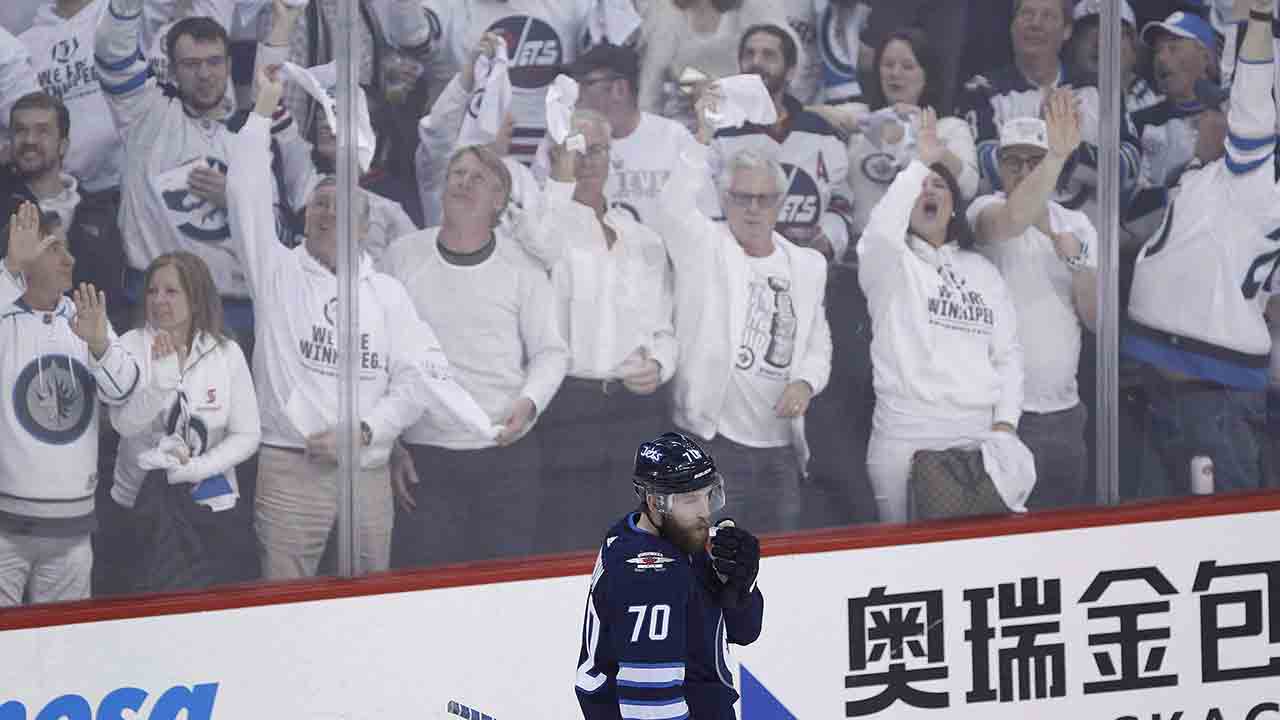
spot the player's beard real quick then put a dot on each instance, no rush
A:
(689, 538)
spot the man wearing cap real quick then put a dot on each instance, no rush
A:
(1185, 60)
(1086, 48)
(1039, 30)
(1047, 256)
(645, 148)
(1201, 286)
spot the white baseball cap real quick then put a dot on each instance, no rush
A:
(1024, 132)
(1091, 8)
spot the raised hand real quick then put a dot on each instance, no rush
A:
(928, 145)
(1062, 118)
(25, 243)
(90, 323)
(487, 47)
(708, 101)
(270, 90)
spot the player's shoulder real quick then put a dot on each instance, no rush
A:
(630, 551)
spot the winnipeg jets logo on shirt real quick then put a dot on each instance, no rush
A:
(193, 216)
(957, 307)
(534, 48)
(803, 204)
(70, 73)
(53, 399)
(650, 560)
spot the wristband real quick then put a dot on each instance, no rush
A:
(1259, 16)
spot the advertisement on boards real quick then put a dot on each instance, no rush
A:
(1176, 620)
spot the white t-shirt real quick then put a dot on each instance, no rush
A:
(1040, 284)
(762, 361)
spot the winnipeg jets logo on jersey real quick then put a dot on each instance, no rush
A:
(803, 204)
(534, 47)
(650, 560)
(53, 399)
(193, 216)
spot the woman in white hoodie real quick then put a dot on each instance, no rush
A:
(193, 418)
(944, 351)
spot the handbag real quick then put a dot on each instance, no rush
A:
(951, 483)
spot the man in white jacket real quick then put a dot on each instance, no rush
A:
(1047, 256)
(402, 371)
(58, 360)
(753, 336)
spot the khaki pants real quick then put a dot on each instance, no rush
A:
(297, 505)
(44, 569)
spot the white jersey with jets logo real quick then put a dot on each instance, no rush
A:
(62, 56)
(1203, 281)
(541, 36)
(816, 163)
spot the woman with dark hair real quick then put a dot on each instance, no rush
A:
(946, 361)
(193, 418)
(908, 76)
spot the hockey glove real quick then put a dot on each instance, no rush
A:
(735, 556)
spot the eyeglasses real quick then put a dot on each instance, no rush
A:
(216, 62)
(763, 200)
(1016, 163)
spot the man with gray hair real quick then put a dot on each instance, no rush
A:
(613, 292)
(742, 282)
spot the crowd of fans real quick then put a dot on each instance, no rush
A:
(904, 263)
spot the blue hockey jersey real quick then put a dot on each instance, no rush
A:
(655, 639)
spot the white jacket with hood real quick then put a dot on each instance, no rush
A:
(403, 371)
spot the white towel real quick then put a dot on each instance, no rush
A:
(562, 98)
(162, 456)
(321, 83)
(743, 99)
(1011, 466)
(612, 21)
(489, 104)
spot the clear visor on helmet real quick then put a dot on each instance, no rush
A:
(709, 499)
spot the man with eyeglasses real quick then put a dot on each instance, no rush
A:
(815, 211)
(753, 338)
(173, 184)
(644, 149)
(1047, 255)
(613, 293)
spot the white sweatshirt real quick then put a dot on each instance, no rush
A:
(17, 77)
(210, 403)
(402, 369)
(162, 144)
(944, 331)
(62, 56)
(497, 324)
(49, 415)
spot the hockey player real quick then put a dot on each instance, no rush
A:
(815, 212)
(1202, 283)
(664, 603)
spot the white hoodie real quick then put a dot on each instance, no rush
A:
(17, 77)
(403, 372)
(944, 333)
(48, 418)
(62, 56)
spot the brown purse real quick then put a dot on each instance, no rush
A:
(951, 483)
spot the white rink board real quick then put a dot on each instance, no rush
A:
(510, 649)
